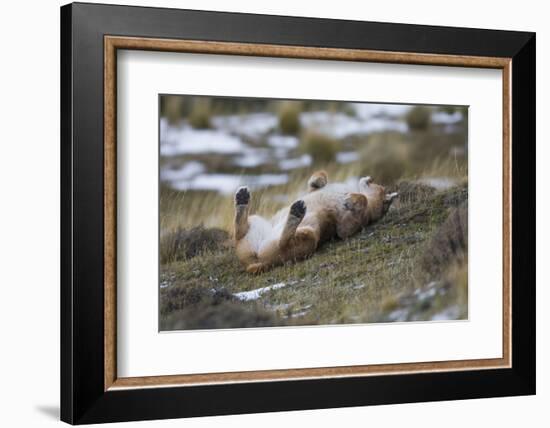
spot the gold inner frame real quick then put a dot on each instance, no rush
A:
(113, 43)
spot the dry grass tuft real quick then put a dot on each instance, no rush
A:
(321, 148)
(182, 244)
(411, 192)
(199, 117)
(418, 118)
(289, 118)
(449, 244)
(386, 158)
(223, 315)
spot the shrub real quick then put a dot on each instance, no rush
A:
(418, 118)
(172, 108)
(199, 117)
(223, 315)
(289, 118)
(411, 192)
(385, 158)
(178, 297)
(449, 244)
(448, 109)
(321, 148)
(183, 244)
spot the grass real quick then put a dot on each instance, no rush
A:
(412, 265)
(182, 244)
(200, 114)
(364, 279)
(321, 148)
(210, 209)
(289, 118)
(418, 118)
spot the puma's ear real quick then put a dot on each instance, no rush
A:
(391, 196)
(365, 181)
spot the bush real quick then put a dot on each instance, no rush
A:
(418, 118)
(385, 158)
(289, 118)
(183, 244)
(321, 148)
(172, 108)
(411, 192)
(199, 117)
(178, 297)
(449, 244)
(223, 315)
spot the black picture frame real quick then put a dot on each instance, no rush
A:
(83, 398)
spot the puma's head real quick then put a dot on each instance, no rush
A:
(379, 200)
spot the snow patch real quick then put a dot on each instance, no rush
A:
(186, 140)
(246, 296)
(246, 125)
(347, 157)
(228, 183)
(187, 171)
(284, 141)
(439, 183)
(340, 125)
(302, 161)
(443, 118)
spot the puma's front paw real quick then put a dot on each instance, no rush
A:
(298, 209)
(242, 197)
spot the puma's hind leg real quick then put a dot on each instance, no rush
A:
(295, 215)
(305, 242)
(353, 215)
(242, 198)
(317, 181)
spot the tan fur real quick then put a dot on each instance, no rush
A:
(294, 233)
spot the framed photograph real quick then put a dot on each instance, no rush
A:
(266, 213)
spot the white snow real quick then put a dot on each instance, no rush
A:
(368, 110)
(256, 294)
(284, 141)
(228, 183)
(248, 125)
(340, 125)
(185, 140)
(444, 118)
(347, 157)
(302, 161)
(440, 183)
(187, 171)
(252, 157)
(451, 313)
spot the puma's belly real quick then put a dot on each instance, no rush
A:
(329, 197)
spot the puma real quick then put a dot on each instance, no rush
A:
(294, 233)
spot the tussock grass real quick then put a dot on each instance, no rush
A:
(289, 117)
(201, 112)
(182, 244)
(449, 244)
(418, 118)
(321, 148)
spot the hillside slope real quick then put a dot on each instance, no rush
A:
(411, 265)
